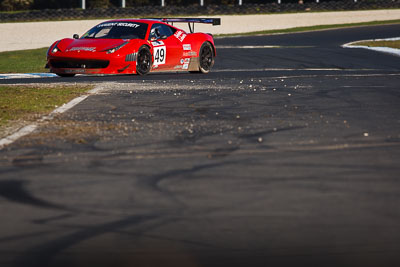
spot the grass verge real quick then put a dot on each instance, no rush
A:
(23, 61)
(391, 44)
(29, 103)
(313, 28)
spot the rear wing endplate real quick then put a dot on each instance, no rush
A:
(191, 21)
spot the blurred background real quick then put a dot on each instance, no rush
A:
(16, 5)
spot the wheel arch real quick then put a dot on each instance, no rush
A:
(150, 49)
(213, 47)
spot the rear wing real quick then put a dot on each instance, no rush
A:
(191, 21)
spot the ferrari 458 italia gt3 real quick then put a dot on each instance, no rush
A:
(137, 46)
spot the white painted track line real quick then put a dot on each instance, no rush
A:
(389, 50)
(258, 46)
(32, 127)
(26, 75)
(288, 69)
(21, 132)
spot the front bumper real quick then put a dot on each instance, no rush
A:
(94, 63)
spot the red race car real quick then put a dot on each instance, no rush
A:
(139, 46)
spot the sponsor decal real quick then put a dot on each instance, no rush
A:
(185, 66)
(178, 67)
(180, 35)
(190, 54)
(157, 43)
(118, 24)
(91, 49)
(159, 55)
(185, 60)
(187, 47)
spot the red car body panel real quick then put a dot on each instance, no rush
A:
(90, 56)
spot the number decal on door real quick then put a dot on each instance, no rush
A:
(160, 54)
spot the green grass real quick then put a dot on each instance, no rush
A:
(392, 44)
(23, 61)
(313, 28)
(32, 102)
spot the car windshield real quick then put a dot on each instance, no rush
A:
(118, 30)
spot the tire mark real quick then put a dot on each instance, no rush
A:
(44, 255)
(14, 191)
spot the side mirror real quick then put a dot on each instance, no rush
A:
(75, 36)
(163, 37)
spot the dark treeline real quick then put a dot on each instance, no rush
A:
(14, 5)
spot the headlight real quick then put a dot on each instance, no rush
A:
(55, 48)
(114, 49)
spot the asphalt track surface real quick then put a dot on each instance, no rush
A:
(280, 157)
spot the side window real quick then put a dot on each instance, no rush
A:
(158, 30)
(165, 30)
(173, 30)
(153, 32)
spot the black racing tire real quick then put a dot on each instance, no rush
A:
(65, 74)
(143, 60)
(206, 57)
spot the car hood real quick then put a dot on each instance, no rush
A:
(89, 45)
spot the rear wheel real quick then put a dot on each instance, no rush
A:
(143, 61)
(65, 74)
(206, 58)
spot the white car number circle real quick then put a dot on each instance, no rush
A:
(159, 55)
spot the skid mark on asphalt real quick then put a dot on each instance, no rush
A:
(56, 246)
(263, 133)
(11, 238)
(158, 154)
(155, 182)
(14, 191)
(53, 218)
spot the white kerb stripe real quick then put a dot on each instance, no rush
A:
(22, 132)
(30, 128)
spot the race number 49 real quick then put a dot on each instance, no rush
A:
(160, 53)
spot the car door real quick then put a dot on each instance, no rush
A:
(167, 49)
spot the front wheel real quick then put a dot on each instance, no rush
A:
(143, 61)
(206, 58)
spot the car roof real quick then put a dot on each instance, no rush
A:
(148, 21)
